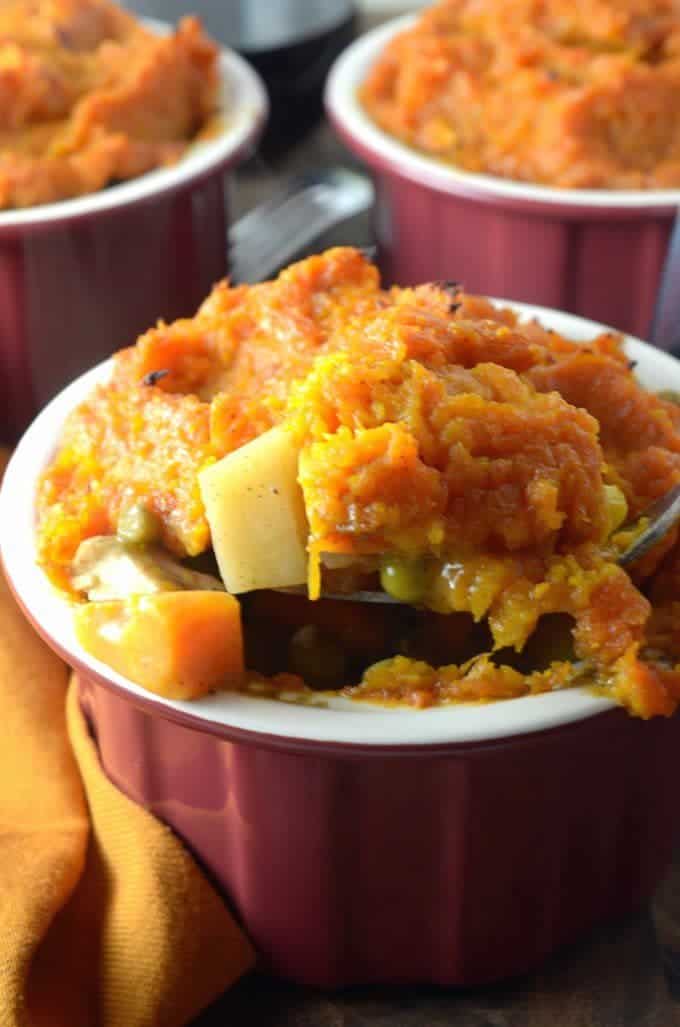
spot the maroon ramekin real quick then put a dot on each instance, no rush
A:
(597, 253)
(82, 278)
(359, 844)
(457, 866)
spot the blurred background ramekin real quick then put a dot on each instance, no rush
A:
(83, 277)
(597, 253)
(359, 844)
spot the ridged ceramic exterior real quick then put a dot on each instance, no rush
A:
(456, 864)
(606, 268)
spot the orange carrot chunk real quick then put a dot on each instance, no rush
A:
(180, 645)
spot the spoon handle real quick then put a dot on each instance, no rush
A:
(662, 516)
(265, 239)
(665, 331)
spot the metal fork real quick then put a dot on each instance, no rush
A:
(269, 236)
(665, 330)
(663, 514)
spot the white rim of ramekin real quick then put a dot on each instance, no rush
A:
(341, 721)
(349, 71)
(243, 107)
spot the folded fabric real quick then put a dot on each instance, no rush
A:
(106, 920)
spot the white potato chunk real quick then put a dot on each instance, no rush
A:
(256, 514)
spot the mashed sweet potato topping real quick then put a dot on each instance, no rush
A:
(89, 97)
(571, 93)
(483, 470)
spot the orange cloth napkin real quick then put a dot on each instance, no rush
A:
(105, 919)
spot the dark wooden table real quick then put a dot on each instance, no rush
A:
(624, 975)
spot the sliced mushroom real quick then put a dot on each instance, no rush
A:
(106, 568)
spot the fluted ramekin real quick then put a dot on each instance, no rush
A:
(598, 253)
(360, 844)
(83, 277)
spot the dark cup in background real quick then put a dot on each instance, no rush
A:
(291, 43)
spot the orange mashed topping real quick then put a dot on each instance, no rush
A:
(89, 97)
(432, 425)
(571, 93)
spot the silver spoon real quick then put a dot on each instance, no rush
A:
(663, 514)
(665, 327)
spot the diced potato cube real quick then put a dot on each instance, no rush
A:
(256, 514)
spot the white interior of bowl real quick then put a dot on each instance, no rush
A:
(337, 720)
(349, 71)
(242, 107)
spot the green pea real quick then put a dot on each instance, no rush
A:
(670, 395)
(137, 525)
(404, 579)
(617, 507)
(317, 657)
